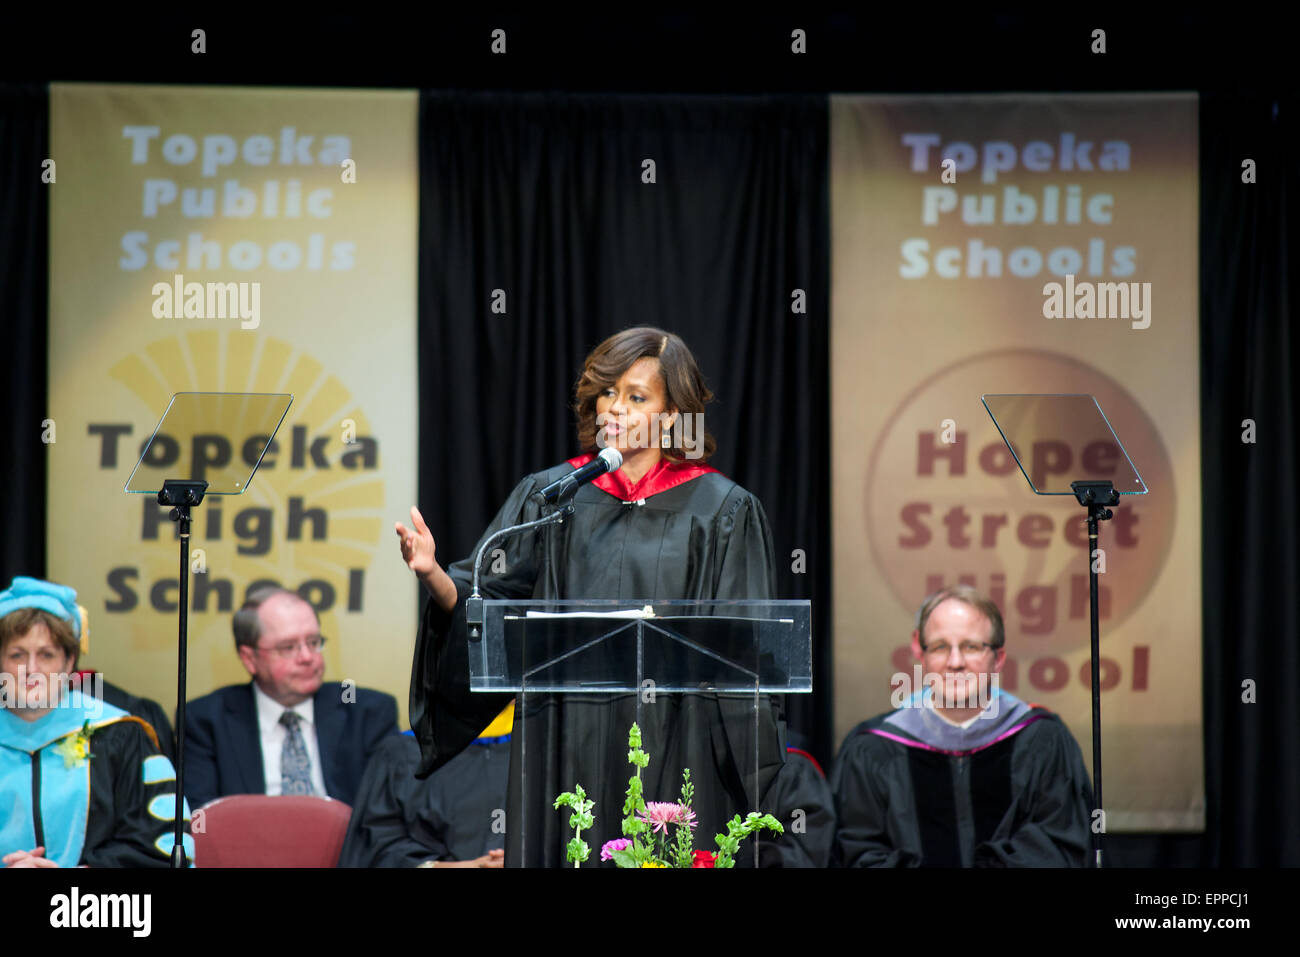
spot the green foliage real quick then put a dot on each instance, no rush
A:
(737, 831)
(625, 858)
(683, 850)
(634, 827)
(635, 801)
(577, 850)
(642, 850)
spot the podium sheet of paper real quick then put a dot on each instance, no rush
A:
(646, 612)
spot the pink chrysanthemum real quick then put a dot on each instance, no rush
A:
(659, 814)
(618, 844)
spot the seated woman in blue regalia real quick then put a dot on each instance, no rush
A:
(81, 782)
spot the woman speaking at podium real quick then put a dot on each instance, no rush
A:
(665, 526)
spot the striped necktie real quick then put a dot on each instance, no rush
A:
(295, 763)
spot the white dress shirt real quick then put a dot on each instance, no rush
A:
(272, 734)
(956, 724)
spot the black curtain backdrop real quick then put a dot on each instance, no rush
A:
(542, 197)
(1250, 319)
(24, 241)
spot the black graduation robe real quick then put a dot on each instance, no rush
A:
(399, 820)
(1016, 796)
(800, 798)
(144, 708)
(114, 808)
(705, 538)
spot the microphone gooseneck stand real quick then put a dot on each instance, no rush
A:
(1096, 497)
(560, 493)
(474, 603)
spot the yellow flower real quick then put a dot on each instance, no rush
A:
(653, 864)
(75, 748)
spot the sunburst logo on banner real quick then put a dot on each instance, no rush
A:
(311, 517)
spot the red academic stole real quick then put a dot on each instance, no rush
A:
(661, 478)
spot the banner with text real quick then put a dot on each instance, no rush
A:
(1023, 244)
(234, 240)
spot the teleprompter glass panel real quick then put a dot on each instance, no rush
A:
(217, 437)
(1059, 439)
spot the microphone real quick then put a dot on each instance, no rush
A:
(609, 460)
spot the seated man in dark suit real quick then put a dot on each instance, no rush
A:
(285, 732)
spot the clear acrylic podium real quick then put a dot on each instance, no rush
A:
(635, 656)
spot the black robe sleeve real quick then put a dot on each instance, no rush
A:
(445, 715)
(746, 567)
(1048, 826)
(801, 800)
(874, 810)
(380, 832)
(455, 814)
(146, 709)
(130, 822)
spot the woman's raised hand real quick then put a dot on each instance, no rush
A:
(418, 551)
(417, 546)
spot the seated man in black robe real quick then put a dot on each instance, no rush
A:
(453, 818)
(801, 800)
(963, 774)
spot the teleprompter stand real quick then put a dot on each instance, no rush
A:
(217, 440)
(1096, 497)
(182, 496)
(1053, 437)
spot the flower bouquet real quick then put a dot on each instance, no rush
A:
(646, 840)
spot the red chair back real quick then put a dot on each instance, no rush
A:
(260, 830)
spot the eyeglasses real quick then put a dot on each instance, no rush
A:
(288, 649)
(968, 649)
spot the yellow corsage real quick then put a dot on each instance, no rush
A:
(75, 747)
